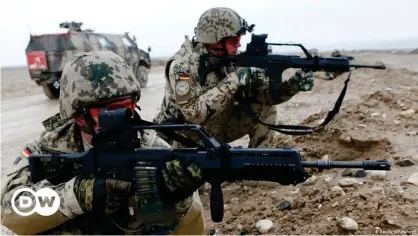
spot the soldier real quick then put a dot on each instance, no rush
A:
(212, 104)
(89, 205)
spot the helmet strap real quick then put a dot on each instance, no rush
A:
(224, 47)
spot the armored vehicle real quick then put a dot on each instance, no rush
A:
(47, 54)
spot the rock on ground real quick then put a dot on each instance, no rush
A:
(357, 133)
(364, 130)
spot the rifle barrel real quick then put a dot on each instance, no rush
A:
(366, 164)
(382, 67)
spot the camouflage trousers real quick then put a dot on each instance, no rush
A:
(234, 123)
(193, 222)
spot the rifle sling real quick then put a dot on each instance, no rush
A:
(296, 129)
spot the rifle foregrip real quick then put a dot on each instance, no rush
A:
(216, 203)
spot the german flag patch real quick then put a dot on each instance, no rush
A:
(26, 152)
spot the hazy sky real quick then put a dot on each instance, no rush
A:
(162, 24)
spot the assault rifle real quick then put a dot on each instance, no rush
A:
(258, 55)
(351, 58)
(116, 155)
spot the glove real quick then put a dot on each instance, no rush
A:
(100, 195)
(182, 179)
(252, 75)
(302, 80)
(244, 75)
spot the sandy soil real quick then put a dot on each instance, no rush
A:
(376, 122)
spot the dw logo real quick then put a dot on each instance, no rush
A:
(47, 202)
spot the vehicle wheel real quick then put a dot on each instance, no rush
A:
(142, 76)
(51, 91)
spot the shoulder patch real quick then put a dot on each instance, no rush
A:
(182, 82)
(26, 152)
(182, 88)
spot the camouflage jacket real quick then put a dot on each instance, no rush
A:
(198, 103)
(63, 136)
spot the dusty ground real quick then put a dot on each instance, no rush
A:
(371, 126)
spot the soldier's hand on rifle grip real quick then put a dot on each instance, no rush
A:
(101, 195)
(302, 80)
(182, 177)
(244, 76)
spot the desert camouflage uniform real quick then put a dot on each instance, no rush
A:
(62, 135)
(213, 104)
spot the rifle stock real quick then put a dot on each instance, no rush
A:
(114, 155)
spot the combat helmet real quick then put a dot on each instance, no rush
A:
(92, 77)
(218, 23)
